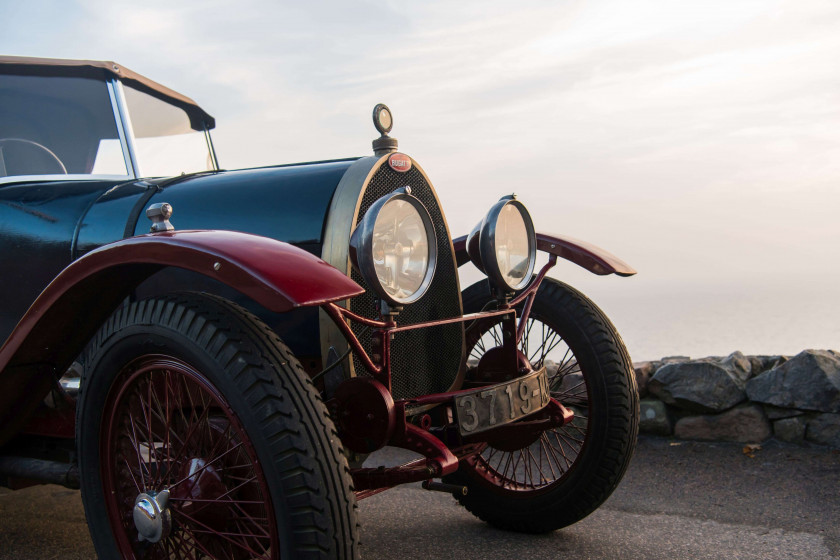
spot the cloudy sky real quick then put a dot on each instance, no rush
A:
(699, 141)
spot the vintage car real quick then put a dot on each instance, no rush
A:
(211, 355)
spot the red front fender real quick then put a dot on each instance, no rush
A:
(592, 258)
(68, 312)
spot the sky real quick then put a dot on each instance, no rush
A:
(698, 141)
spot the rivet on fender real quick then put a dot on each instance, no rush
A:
(399, 162)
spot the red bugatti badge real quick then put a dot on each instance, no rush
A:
(399, 162)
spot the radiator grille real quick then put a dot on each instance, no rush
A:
(425, 360)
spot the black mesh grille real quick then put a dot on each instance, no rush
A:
(425, 360)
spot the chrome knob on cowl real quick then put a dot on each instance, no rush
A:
(159, 214)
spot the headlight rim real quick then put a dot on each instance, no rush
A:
(361, 246)
(483, 241)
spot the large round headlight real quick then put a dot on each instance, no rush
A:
(504, 246)
(394, 248)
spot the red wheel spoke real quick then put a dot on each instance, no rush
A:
(567, 438)
(497, 337)
(251, 520)
(556, 380)
(567, 367)
(258, 542)
(209, 530)
(222, 533)
(207, 464)
(527, 335)
(131, 473)
(220, 441)
(507, 465)
(213, 500)
(136, 444)
(198, 544)
(147, 417)
(165, 417)
(561, 449)
(152, 450)
(193, 428)
(537, 464)
(548, 451)
(221, 500)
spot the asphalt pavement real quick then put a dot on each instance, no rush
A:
(679, 500)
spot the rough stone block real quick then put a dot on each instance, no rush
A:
(791, 430)
(777, 412)
(809, 381)
(824, 429)
(738, 365)
(644, 371)
(654, 418)
(768, 362)
(674, 360)
(744, 424)
(701, 386)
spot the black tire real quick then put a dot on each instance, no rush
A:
(226, 403)
(591, 454)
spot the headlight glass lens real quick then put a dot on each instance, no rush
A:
(513, 250)
(504, 245)
(400, 249)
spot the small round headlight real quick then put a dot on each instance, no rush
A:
(394, 248)
(504, 246)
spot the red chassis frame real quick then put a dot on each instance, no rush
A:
(378, 421)
(369, 418)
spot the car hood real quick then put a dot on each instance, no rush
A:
(288, 203)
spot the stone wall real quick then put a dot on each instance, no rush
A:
(743, 398)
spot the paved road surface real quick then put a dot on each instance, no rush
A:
(692, 501)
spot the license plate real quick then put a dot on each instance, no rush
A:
(488, 407)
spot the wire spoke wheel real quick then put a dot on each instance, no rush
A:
(169, 429)
(554, 453)
(561, 475)
(200, 437)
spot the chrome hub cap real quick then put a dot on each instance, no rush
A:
(151, 516)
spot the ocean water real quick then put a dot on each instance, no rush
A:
(697, 321)
(711, 317)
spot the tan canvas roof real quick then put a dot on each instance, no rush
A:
(102, 70)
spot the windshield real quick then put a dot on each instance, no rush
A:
(165, 143)
(53, 125)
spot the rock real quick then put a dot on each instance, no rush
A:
(791, 430)
(738, 365)
(674, 360)
(809, 381)
(769, 362)
(756, 365)
(699, 386)
(644, 370)
(744, 424)
(824, 429)
(776, 413)
(654, 418)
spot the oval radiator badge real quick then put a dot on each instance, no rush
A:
(399, 162)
